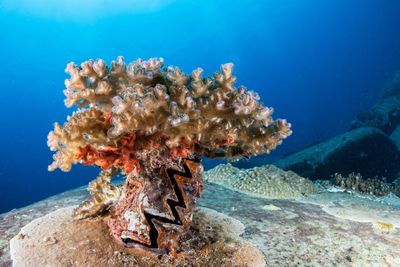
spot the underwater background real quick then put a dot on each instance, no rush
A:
(318, 63)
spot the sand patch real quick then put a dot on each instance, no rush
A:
(57, 240)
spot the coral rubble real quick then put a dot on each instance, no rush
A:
(152, 124)
(266, 181)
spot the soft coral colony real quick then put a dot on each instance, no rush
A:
(153, 124)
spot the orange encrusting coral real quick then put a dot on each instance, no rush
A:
(107, 118)
(120, 157)
(183, 150)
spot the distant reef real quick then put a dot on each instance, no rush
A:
(370, 147)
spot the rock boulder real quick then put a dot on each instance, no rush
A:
(384, 115)
(366, 150)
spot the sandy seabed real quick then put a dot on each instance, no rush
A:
(325, 229)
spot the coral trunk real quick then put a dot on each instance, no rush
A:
(156, 206)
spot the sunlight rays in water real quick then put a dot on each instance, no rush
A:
(77, 10)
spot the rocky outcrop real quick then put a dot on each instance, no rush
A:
(366, 150)
(384, 115)
(392, 87)
(395, 136)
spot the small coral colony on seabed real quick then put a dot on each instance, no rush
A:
(153, 124)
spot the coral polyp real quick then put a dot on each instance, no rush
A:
(153, 124)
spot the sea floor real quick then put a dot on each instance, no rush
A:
(324, 229)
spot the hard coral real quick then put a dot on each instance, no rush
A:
(153, 124)
(266, 181)
(104, 196)
(144, 99)
(374, 186)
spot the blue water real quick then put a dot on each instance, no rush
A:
(318, 63)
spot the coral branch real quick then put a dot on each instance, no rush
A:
(143, 99)
(104, 196)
